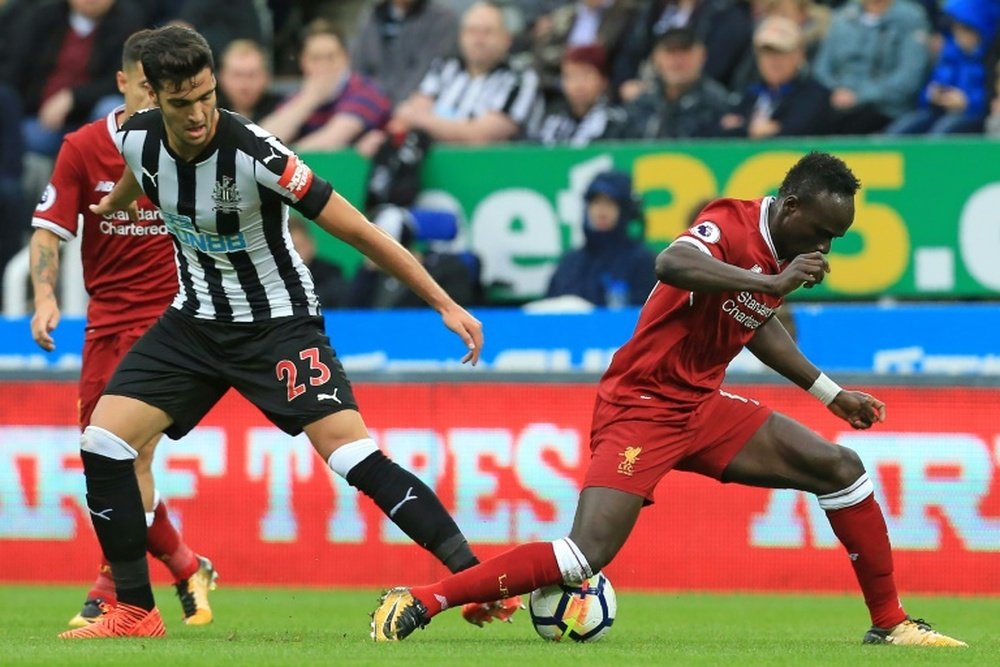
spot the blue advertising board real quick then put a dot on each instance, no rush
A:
(902, 339)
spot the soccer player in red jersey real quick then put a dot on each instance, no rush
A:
(660, 407)
(128, 269)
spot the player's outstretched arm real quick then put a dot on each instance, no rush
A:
(44, 249)
(121, 198)
(342, 220)
(773, 346)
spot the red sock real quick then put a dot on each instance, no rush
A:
(165, 543)
(520, 570)
(104, 586)
(861, 529)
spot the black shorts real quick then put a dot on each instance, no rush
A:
(285, 367)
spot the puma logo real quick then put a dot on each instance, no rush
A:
(103, 514)
(151, 177)
(329, 397)
(402, 502)
(274, 154)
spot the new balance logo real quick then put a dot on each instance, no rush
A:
(402, 502)
(442, 600)
(103, 514)
(330, 397)
(104, 186)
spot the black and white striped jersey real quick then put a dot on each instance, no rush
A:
(560, 126)
(459, 96)
(227, 210)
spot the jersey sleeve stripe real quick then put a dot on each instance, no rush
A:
(48, 225)
(690, 240)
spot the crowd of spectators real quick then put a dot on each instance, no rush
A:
(325, 74)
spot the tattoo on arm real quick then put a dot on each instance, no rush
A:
(45, 268)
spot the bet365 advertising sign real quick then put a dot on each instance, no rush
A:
(926, 224)
(507, 460)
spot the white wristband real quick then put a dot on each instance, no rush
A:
(825, 389)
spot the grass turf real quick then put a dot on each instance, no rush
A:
(330, 627)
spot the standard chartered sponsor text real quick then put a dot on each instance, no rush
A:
(109, 224)
(737, 309)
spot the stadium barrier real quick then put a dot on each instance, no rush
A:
(507, 458)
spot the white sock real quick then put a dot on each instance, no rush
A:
(351, 454)
(572, 563)
(151, 515)
(97, 440)
(852, 495)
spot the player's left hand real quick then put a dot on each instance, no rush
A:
(858, 409)
(468, 328)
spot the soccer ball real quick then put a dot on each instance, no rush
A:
(583, 613)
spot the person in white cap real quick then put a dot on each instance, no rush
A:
(786, 101)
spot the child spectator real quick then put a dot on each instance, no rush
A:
(954, 101)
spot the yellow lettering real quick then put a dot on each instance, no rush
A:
(686, 180)
(885, 240)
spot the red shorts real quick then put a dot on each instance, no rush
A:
(632, 448)
(100, 359)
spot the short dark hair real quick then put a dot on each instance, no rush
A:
(678, 39)
(818, 172)
(174, 54)
(132, 51)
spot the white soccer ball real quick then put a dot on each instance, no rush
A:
(583, 613)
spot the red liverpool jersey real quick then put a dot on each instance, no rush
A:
(684, 340)
(128, 268)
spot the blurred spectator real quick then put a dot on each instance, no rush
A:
(683, 103)
(954, 101)
(373, 288)
(335, 105)
(580, 23)
(993, 120)
(612, 269)
(787, 101)
(158, 12)
(244, 80)
(478, 98)
(584, 113)
(62, 59)
(812, 18)
(15, 219)
(328, 279)
(725, 27)
(400, 40)
(222, 21)
(291, 19)
(874, 60)
(11, 11)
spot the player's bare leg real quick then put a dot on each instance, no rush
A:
(785, 454)
(604, 520)
(194, 575)
(120, 428)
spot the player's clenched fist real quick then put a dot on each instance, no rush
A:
(804, 271)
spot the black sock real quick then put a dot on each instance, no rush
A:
(120, 523)
(414, 508)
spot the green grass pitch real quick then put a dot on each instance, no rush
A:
(330, 627)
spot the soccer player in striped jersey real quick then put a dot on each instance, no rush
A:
(660, 406)
(129, 274)
(245, 316)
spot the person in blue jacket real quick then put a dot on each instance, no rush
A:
(612, 269)
(955, 99)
